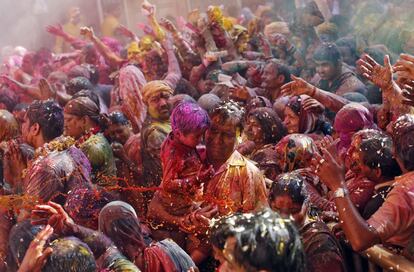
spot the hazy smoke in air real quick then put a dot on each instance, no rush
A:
(23, 21)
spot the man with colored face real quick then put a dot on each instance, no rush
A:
(334, 76)
(238, 183)
(155, 129)
(274, 76)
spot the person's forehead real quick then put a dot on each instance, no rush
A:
(323, 62)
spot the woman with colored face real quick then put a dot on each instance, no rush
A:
(288, 196)
(302, 116)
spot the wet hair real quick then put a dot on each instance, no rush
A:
(49, 115)
(281, 68)
(70, 254)
(77, 84)
(185, 87)
(270, 123)
(403, 136)
(229, 110)
(328, 52)
(177, 99)
(118, 118)
(291, 184)
(20, 237)
(264, 241)
(377, 154)
(189, 117)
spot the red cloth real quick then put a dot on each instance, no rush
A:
(157, 260)
(181, 165)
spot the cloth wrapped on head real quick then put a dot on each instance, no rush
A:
(155, 87)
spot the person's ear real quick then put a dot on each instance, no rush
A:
(377, 173)
(35, 129)
(280, 79)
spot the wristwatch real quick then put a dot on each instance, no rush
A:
(340, 193)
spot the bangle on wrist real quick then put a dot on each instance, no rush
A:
(341, 192)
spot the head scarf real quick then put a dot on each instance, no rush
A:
(350, 119)
(9, 127)
(308, 121)
(271, 125)
(131, 82)
(83, 106)
(85, 204)
(155, 87)
(118, 220)
(276, 28)
(295, 152)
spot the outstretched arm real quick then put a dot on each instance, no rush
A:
(332, 172)
(299, 87)
(174, 71)
(113, 59)
(59, 32)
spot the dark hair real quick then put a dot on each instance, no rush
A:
(403, 136)
(20, 237)
(77, 84)
(21, 107)
(349, 42)
(291, 184)
(377, 153)
(270, 123)
(229, 110)
(49, 115)
(9, 99)
(264, 241)
(118, 118)
(89, 94)
(328, 52)
(281, 68)
(70, 254)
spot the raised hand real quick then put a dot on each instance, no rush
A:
(126, 31)
(87, 32)
(312, 105)
(298, 86)
(53, 214)
(168, 25)
(405, 66)
(148, 9)
(381, 76)
(36, 255)
(46, 91)
(329, 168)
(408, 93)
(56, 30)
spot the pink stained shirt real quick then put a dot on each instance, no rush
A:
(394, 220)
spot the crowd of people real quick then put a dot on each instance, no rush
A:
(276, 137)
